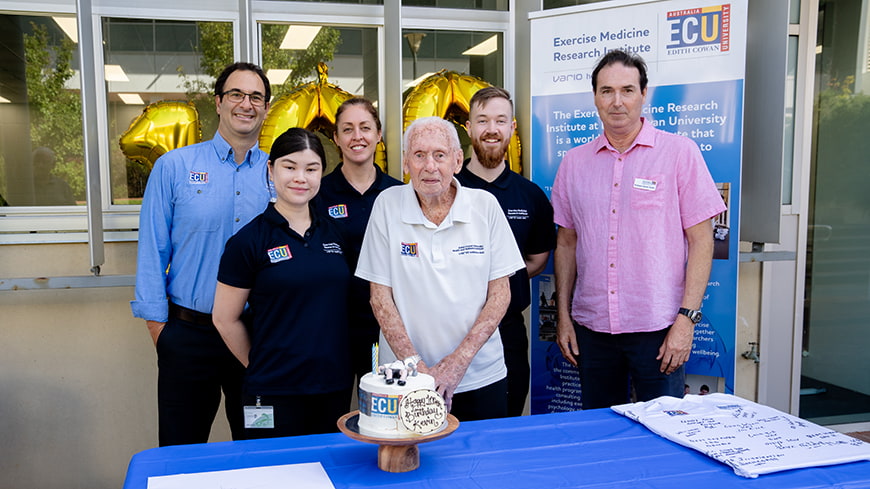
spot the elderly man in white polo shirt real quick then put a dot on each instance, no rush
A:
(438, 256)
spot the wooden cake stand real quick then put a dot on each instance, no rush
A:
(394, 454)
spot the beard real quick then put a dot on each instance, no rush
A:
(489, 157)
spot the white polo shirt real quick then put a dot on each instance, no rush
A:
(440, 274)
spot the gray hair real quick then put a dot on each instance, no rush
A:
(433, 124)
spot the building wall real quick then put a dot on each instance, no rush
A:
(78, 390)
(748, 329)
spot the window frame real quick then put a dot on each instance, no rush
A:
(120, 222)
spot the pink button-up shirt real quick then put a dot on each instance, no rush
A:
(629, 211)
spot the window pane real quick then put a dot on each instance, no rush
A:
(41, 155)
(835, 387)
(472, 4)
(794, 11)
(152, 68)
(788, 130)
(479, 54)
(351, 58)
(427, 52)
(548, 4)
(358, 2)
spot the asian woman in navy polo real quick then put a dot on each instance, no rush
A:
(288, 265)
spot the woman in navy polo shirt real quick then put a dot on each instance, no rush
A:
(347, 196)
(288, 265)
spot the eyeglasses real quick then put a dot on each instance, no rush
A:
(237, 96)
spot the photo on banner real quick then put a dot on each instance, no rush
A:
(695, 54)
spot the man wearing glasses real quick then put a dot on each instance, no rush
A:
(196, 198)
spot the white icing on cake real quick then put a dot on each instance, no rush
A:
(379, 406)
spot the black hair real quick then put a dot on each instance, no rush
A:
(622, 57)
(241, 66)
(294, 140)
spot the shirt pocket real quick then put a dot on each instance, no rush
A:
(648, 192)
(199, 208)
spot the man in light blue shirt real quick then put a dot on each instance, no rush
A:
(197, 197)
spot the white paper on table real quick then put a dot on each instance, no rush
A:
(751, 438)
(297, 476)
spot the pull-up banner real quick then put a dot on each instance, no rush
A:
(695, 53)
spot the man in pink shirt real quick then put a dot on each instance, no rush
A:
(634, 246)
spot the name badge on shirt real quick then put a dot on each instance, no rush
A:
(644, 184)
(259, 416)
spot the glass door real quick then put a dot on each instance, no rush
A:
(835, 372)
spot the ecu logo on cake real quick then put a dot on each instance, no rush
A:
(378, 404)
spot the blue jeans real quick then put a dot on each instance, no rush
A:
(610, 364)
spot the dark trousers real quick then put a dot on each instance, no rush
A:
(194, 366)
(296, 415)
(515, 340)
(488, 402)
(610, 364)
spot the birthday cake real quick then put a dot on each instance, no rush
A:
(397, 402)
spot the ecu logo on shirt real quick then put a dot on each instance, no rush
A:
(338, 211)
(198, 178)
(279, 254)
(409, 249)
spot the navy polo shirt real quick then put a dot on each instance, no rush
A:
(297, 302)
(529, 215)
(350, 210)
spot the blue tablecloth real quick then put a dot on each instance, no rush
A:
(596, 448)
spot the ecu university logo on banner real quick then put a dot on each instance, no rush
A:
(702, 30)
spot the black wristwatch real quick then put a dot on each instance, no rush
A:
(693, 315)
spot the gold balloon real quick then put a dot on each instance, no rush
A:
(312, 106)
(447, 94)
(161, 127)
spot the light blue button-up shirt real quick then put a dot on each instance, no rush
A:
(196, 198)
